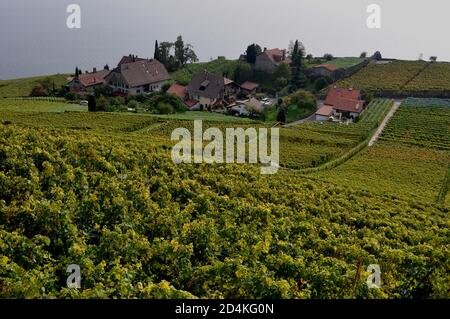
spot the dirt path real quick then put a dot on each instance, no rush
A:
(384, 123)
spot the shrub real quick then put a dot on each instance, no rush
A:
(165, 108)
(70, 96)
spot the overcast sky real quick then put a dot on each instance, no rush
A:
(34, 38)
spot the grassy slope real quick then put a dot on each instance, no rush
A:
(39, 106)
(219, 66)
(23, 86)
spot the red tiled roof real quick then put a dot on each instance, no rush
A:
(89, 79)
(329, 67)
(348, 105)
(249, 86)
(325, 110)
(178, 90)
(129, 59)
(340, 93)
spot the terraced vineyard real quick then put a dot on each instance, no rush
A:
(389, 77)
(435, 78)
(416, 123)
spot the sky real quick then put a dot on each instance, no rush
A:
(35, 40)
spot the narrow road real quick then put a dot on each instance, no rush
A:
(384, 123)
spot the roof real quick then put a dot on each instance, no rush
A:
(96, 78)
(144, 72)
(340, 93)
(191, 103)
(129, 59)
(206, 84)
(276, 56)
(249, 86)
(325, 110)
(178, 90)
(329, 67)
(227, 81)
(348, 105)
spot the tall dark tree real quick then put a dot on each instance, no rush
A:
(157, 55)
(253, 50)
(297, 55)
(179, 51)
(92, 104)
(281, 116)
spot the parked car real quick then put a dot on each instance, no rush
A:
(84, 102)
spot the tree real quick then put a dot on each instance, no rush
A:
(179, 51)
(189, 55)
(328, 57)
(281, 116)
(433, 58)
(164, 52)
(283, 71)
(363, 55)
(242, 72)
(253, 50)
(377, 56)
(92, 105)
(298, 77)
(156, 55)
(322, 83)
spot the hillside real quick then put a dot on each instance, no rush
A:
(218, 66)
(23, 86)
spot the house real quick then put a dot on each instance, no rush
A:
(211, 90)
(249, 88)
(269, 60)
(324, 70)
(138, 77)
(324, 113)
(129, 59)
(88, 82)
(341, 103)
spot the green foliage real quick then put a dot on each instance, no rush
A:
(242, 72)
(141, 226)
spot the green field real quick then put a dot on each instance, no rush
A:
(101, 191)
(23, 87)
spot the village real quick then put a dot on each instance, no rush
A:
(280, 84)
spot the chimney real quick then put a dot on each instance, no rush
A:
(94, 70)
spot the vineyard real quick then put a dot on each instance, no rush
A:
(402, 77)
(140, 226)
(435, 78)
(101, 191)
(411, 160)
(417, 123)
(389, 77)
